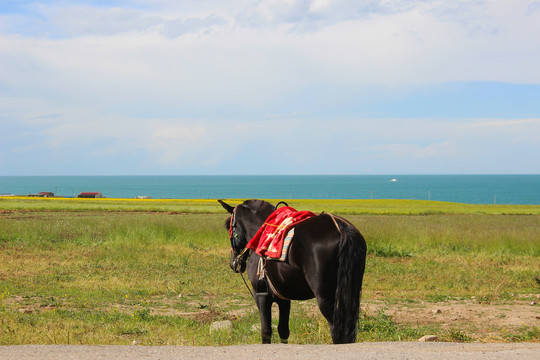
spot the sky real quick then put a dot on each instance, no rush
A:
(218, 87)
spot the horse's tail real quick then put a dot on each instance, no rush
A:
(351, 264)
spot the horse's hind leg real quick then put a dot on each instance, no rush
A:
(283, 326)
(265, 311)
(326, 306)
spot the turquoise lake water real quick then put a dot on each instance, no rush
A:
(472, 189)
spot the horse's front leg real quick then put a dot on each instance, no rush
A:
(283, 326)
(264, 303)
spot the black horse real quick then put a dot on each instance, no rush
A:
(326, 260)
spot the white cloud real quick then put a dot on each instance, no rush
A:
(174, 81)
(278, 144)
(177, 142)
(87, 21)
(398, 44)
(399, 151)
(75, 21)
(178, 27)
(511, 132)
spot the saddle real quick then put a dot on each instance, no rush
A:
(273, 239)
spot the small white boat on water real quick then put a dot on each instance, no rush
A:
(393, 180)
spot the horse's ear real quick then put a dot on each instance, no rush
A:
(226, 206)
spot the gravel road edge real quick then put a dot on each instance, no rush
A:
(379, 351)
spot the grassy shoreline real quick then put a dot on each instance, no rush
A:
(211, 206)
(110, 271)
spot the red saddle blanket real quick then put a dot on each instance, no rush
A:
(268, 241)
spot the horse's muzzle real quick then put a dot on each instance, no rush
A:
(237, 264)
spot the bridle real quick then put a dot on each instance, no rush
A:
(239, 259)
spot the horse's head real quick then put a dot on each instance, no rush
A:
(245, 221)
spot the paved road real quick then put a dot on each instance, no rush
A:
(364, 351)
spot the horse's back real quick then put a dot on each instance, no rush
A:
(316, 237)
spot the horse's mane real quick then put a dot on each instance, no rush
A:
(259, 206)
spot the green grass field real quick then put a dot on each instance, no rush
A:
(113, 271)
(205, 206)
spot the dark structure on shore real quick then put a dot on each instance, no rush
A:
(91, 195)
(42, 194)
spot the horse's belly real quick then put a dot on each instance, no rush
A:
(289, 282)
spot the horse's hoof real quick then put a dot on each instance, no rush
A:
(267, 339)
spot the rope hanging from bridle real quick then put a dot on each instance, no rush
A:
(239, 258)
(247, 286)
